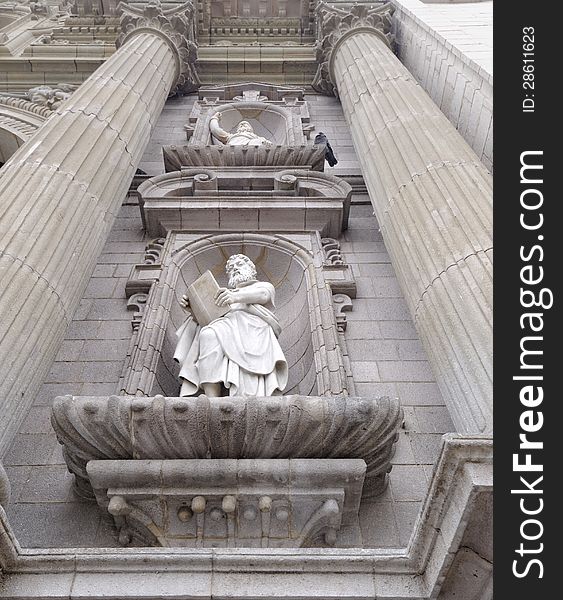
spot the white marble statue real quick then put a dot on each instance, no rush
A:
(237, 354)
(243, 136)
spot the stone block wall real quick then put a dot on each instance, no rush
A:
(448, 48)
(385, 354)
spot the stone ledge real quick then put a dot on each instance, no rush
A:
(126, 427)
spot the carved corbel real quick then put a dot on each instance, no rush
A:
(336, 272)
(334, 24)
(176, 25)
(143, 275)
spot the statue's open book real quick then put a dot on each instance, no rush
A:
(201, 294)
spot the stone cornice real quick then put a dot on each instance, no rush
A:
(175, 25)
(334, 25)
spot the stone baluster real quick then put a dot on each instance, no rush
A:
(62, 189)
(432, 198)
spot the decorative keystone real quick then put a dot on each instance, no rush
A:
(336, 24)
(176, 26)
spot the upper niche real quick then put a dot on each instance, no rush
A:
(279, 114)
(270, 122)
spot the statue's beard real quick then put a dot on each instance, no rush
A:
(243, 276)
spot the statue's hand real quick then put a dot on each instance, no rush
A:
(225, 296)
(185, 302)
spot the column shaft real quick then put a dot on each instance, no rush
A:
(433, 200)
(59, 194)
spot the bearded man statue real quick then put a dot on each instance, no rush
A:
(237, 354)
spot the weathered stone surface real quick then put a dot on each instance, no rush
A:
(176, 26)
(280, 427)
(4, 487)
(59, 198)
(433, 201)
(231, 503)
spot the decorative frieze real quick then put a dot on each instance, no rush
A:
(248, 21)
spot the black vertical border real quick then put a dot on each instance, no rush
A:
(516, 132)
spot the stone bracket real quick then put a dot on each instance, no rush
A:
(336, 272)
(109, 428)
(231, 503)
(143, 275)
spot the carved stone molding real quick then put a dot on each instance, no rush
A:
(191, 155)
(143, 275)
(342, 303)
(137, 303)
(27, 106)
(176, 26)
(264, 503)
(337, 273)
(109, 428)
(230, 199)
(334, 24)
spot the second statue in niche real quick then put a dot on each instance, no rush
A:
(238, 353)
(243, 136)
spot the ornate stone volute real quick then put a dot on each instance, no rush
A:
(175, 25)
(335, 24)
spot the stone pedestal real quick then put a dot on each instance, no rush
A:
(229, 503)
(432, 198)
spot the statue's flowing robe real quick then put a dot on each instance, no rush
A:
(240, 350)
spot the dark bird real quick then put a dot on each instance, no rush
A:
(321, 138)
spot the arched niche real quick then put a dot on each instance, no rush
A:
(309, 336)
(274, 123)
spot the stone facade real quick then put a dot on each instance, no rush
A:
(382, 486)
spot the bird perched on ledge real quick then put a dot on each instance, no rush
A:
(321, 138)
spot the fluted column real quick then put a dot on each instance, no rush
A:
(433, 200)
(60, 192)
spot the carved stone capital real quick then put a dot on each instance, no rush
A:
(335, 24)
(175, 25)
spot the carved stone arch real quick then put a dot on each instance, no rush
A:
(19, 120)
(276, 124)
(293, 264)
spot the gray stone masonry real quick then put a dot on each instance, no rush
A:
(386, 359)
